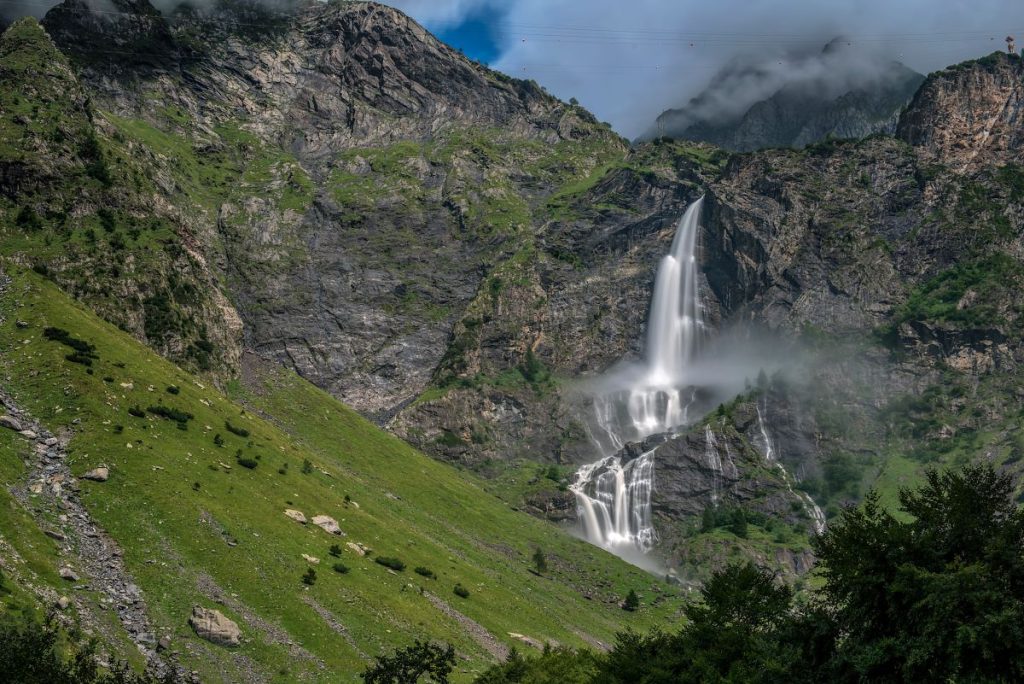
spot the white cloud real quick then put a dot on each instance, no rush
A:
(629, 61)
(444, 13)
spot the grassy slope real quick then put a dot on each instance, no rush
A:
(174, 533)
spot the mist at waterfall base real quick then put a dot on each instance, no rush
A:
(687, 371)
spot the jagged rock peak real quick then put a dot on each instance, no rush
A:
(969, 116)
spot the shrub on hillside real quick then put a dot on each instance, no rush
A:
(234, 429)
(461, 591)
(170, 413)
(340, 568)
(247, 463)
(173, 389)
(309, 578)
(408, 665)
(389, 562)
(136, 411)
(425, 572)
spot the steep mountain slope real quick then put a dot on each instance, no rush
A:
(194, 506)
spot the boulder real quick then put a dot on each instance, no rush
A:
(10, 422)
(311, 559)
(297, 516)
(63, 602)
(68, 574)
(357, 548)
(97, 474)
(328, 524)
(213, 626)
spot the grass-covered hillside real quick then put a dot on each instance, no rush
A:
(198, 486)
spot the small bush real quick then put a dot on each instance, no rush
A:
(118, 429)
(218, 440)
(136, 411)
(68, 340)
(340, 568)
(173, 389)
(632, 601)
(170, 413)
(248, 463)
(309, 579)
(107, 378)
(335, 550)
(234, 429)
(307, 467)
(461, 591)
(392, 563)
(79, 358)
(425, 572)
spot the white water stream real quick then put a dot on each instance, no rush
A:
(614, 496)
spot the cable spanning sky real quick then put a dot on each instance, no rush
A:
(629, 61)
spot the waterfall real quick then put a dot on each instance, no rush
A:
(811, 509)
(614, 494)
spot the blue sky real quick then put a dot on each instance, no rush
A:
(474, 34)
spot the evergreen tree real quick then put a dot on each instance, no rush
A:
(540, 562)
(408, 665)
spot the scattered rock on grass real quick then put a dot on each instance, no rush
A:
(215, 627)
(297, 516)
(10, 422)
(328, 524)
(68, 574)
(97, 474)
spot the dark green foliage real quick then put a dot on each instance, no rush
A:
(632, 601)
(28, 219)
(461, 591)
(411, 664)
(939, 597)
(218, 440)
(533, 369)
(136, 411)
(733, 519)
(36, 652)
(340, 568)
(540, 561)
(556, 665)
(307, 466)
(170, 413)
(173, 389)
(79, 358)
(991, 279)
(335, 550)
(388, 562)
(309, 578)
(425, 572)
(234, 429)
(81, 347)
(248, 463)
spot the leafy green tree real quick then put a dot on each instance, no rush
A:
(409, 664)
(936, 594)
(555, 665)
(632, 601)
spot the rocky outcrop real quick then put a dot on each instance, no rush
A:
(213, 626)
(968, 116)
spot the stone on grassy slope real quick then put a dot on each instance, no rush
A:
(328, 524)
(10, 422)
(297, 516)
(100, 474)
(213, 626)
